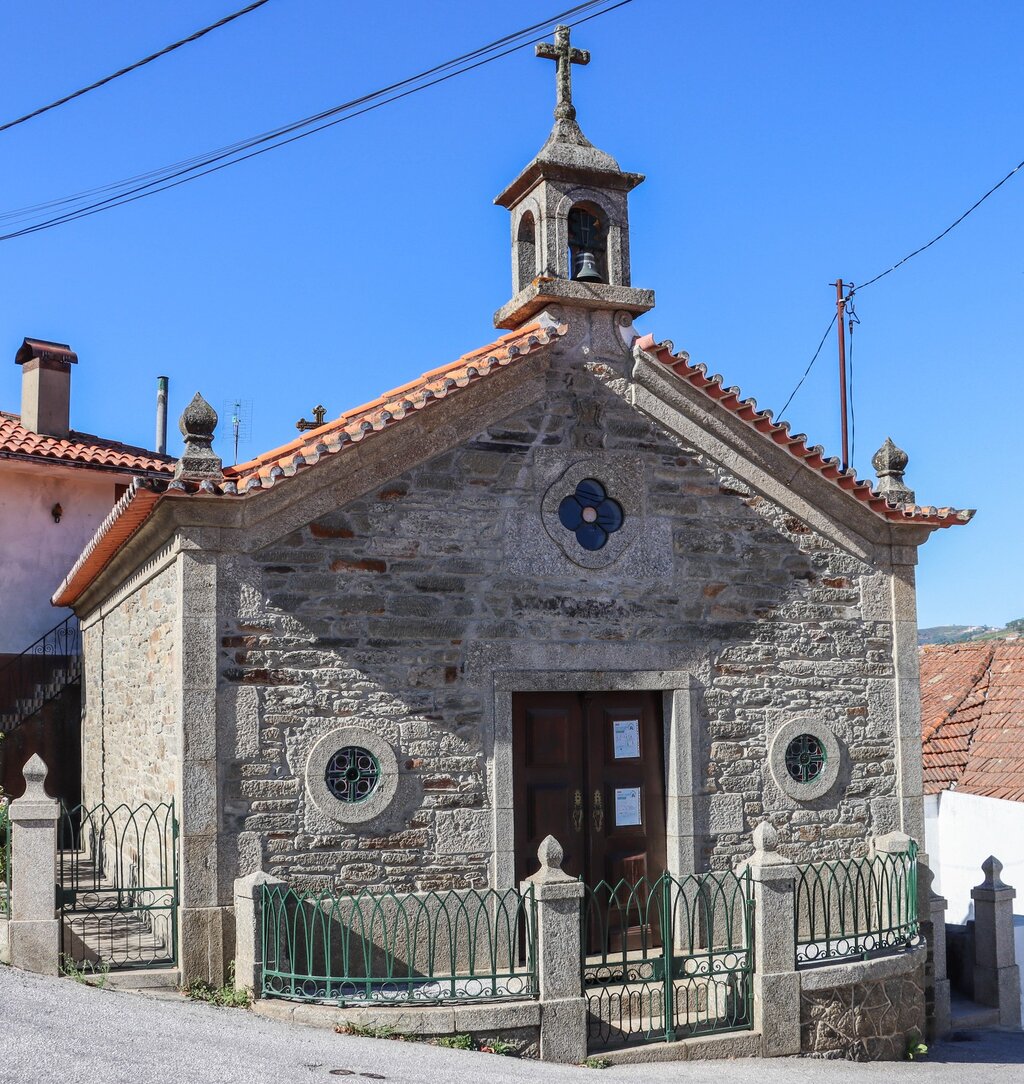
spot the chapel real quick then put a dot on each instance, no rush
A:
(570, 584)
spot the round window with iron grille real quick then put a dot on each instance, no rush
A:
(352, 774)
(805, 758)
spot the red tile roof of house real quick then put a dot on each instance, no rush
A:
(382, 414)
(811, 456)
(78, 450)
(972, 718)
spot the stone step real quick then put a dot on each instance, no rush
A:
(157, 978)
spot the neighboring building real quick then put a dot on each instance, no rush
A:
(568, 584)
(972, 719)
(56, 488)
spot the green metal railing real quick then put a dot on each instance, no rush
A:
(665, 959)
(459, 945)
(118, 884)
(857, 907)
(5, 859)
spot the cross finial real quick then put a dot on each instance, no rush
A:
(564, 56)
(319, 412)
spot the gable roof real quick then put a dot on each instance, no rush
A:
(972, 718)
(248, 479)
(78, 450)
(811, 456)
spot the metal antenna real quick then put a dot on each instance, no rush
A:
(240, 413)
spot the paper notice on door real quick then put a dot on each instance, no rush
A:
(626, 738)
(627, 806)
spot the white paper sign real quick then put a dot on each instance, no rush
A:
(626, 738)
(627, 805)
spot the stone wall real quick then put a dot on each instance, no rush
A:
(132, 698)
(395, 612)
(868, 1020)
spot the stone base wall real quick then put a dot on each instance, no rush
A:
(867, 1020)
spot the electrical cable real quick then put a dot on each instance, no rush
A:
(134, 67)
(809, 367)
(973, 207)
(202, 165)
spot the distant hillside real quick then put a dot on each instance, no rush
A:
(960, 634)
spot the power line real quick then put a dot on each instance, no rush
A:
(938, 237)
(917, 251)
(810, 366)
(202, 165)
(134, 67)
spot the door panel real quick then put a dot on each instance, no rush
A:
(588, 768)
(547, 759)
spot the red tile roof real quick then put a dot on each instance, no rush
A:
(811, 456)
(79, 450)
(245, 479)
(336, 436)
(972, 718)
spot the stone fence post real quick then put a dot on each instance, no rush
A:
(996, 974)
(563, 1008)
(776, 982)
(249, 930)
(931, 913)
(34, 927)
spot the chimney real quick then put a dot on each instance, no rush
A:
(161, 414)
(46, 386)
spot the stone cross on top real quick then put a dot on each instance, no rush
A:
(564, 55)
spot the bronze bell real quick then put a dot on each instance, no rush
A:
(588, 271)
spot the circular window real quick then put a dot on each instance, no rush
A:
(805, 758)
(590, 514)
(352, 774)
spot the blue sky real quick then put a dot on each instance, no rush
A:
(785, 145)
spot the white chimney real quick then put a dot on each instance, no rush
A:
(46, 386)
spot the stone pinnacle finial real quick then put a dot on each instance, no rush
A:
(550, 855)
(35, 771)
(890, 462)
(992, 868)
(766, 838)
(198, 462)
(564, 55)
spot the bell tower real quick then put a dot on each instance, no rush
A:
(570, 216)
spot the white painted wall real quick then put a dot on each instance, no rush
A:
(35, 552)
(961, 831)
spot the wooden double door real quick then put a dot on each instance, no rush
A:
(588, 769)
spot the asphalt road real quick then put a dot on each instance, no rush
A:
(59, 1031)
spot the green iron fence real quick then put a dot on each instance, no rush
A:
(856, 907)
(668, 958)
(459, 945)
(5, 859)
(118, 884)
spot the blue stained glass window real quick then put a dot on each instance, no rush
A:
(591, 514)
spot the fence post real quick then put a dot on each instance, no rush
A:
(249, 930)
(776, 982)
(931, 913)
(996, 975)
(34, 927)
(563, 1009)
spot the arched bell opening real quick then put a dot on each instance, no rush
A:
(526, 251)
(588, 243)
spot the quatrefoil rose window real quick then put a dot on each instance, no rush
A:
(590, 514)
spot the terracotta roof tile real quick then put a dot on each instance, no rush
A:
(80, 449)
(306, 450)
(972, 716)
(811, 456)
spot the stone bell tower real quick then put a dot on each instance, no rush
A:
(570, 216)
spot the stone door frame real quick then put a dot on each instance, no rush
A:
(682, 783)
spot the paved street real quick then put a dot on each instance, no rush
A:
(58, 1030)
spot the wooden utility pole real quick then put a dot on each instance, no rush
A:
(844, 412)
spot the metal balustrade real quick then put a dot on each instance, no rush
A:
(857, 907)
(364, 948)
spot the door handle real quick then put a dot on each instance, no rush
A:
(577, 811)
(598, 810)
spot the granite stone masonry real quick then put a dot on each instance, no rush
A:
(378, 611)
(871, 1020)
